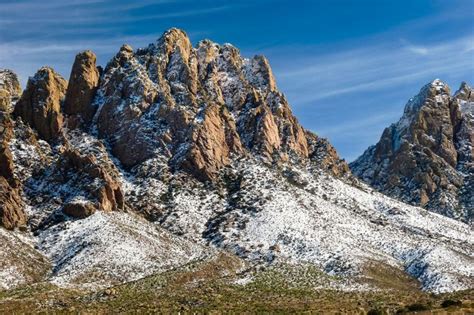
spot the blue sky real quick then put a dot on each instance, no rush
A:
(347, 67)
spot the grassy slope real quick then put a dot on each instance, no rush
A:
(208, 286)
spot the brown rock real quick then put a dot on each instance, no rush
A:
(324, 156)
(260, 73)
(5, 101)
(6, 159)
(40, 104)
(428, 152)
(83, 84)
(10, 83)
(79, 210)
(153, 97)
(212, 142)
(106, 191)
(12, 213)
(11, 206)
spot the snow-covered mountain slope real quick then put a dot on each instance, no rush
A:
(111, 248)
(426, 158)
(20, 262)
(192, 151)
(295, 215)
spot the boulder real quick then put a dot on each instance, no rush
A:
(79, 209)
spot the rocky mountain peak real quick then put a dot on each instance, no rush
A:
(82, 86)
(421, 158)
(464, 92)
(195, 105)
(40, 103)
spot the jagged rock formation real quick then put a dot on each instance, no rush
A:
(196, 106)
(40, 103)
(426, 158)
(82, 86)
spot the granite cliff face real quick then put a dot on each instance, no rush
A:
(426, 158)
(174, 153)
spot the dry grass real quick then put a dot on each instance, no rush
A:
(208, 287)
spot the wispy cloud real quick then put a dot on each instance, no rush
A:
(370, 68)
(419, 50)
(345, 89)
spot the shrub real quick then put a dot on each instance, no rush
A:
(448, 303)
(417, 307)
(374, 312)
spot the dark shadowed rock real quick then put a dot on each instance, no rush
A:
(11, 206)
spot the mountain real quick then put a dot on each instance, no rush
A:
(174, 156)
(426, 158)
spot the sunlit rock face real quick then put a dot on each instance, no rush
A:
(40, 103)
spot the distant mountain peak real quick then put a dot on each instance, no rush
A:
(419, 158)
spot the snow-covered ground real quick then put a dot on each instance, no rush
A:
(20, 263)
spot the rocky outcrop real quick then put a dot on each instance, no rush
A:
(83, 84)
(99, 186)
(196, 109)
(12, 214)
(79, 209)
(40, 103)
(11, 205)
(196, 106)
(6, 159)
(212, 142)
(10, 89)
(426, 158)
(324, 156)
